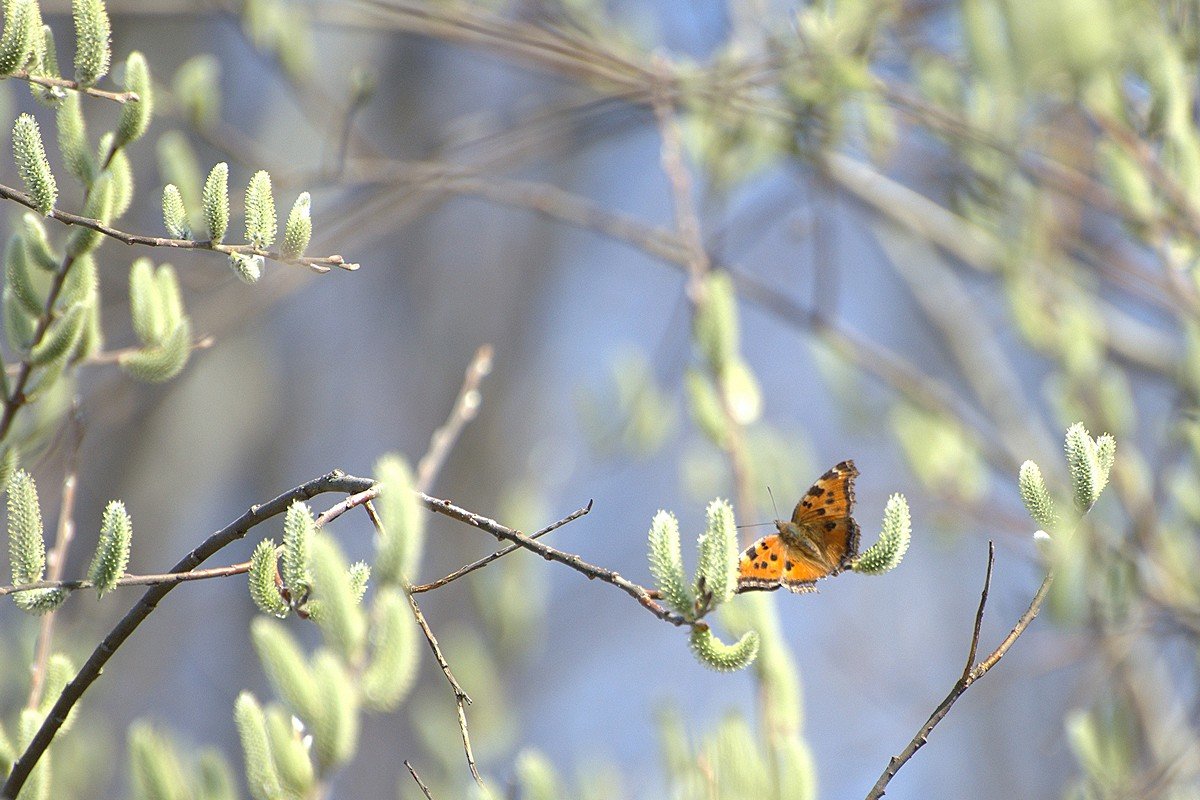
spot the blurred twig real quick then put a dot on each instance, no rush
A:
(58, 556)
(465, 409)
(114, 356)
(697, 264)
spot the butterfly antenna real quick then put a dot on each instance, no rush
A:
(772, 496)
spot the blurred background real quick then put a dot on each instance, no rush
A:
(953, 228)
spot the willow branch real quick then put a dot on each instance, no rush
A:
(319, 264)
(638, 84)
(591, 571)
(461, 699)
(983, 598)
(336, 481)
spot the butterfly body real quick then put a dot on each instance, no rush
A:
(820, 540)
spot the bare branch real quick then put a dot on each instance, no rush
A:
(503, 551)
(417, 778)
(461, 698)
(969, 676)
(591, 571)
(983, 598)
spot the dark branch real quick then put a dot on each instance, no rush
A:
(503, 551)
(983, 598)
(591, 571)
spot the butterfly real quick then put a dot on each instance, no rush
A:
(820, 540)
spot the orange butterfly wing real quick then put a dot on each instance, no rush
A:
(801, 573)
(825, 510)
(761, 564)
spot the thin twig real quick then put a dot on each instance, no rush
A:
(444, 665)
(134, 580)
(972, 674)
(591, 571)
(983, 598)
(353, 501)
(503, 551)
(58, 556)
(687, 223)
(697, 264)
(461, 698)
(465, 409)
(115, 356)
(52, 82)
(538, 197)
(417, 778)
(336, 481)
(1035, 606)
(466, 406)
(357, 103)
